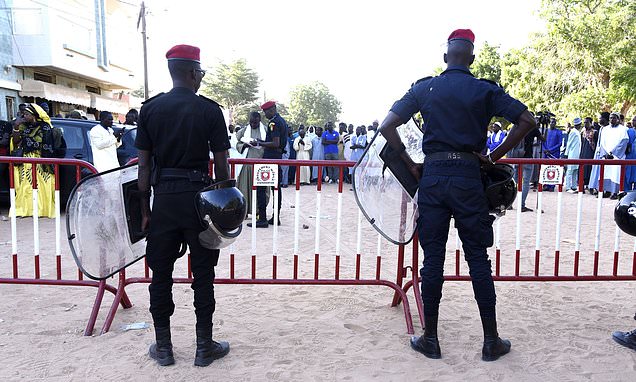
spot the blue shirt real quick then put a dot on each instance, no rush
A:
(456, 109)
(552, 144)
(277, 127)
(331, 148)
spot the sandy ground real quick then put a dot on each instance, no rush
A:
(559, 331)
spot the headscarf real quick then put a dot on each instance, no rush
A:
(33, 139)
(39, 113)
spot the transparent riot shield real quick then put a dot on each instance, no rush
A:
(103, 222)
(388, 203)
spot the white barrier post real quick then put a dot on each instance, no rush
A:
(297, 218)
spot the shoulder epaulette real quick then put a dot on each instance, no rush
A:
(422, 79)
(153, 97)
(211, 100)
(490, 81)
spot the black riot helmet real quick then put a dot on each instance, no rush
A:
(499, 187)
(222, 209)
(625, 213)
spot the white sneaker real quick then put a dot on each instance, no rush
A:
(570, 191)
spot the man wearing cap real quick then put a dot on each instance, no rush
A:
(457, 109)
(496, 137)
(177, 130)
(273, 144)
(573, 151)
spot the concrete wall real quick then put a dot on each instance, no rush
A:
(63, 36)
(8, 73)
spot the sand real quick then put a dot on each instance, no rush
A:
(560, 331)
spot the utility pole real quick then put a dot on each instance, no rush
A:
(142, 19)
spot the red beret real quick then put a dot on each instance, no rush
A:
(267, 105)
(462, 34)
(183, 52)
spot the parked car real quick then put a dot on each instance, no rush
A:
(76, 136)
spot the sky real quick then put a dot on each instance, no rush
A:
(366, 52)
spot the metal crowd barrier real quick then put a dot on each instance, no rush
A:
(525, 256)
(67, 275)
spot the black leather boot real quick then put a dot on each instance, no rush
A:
(208, 350)
(428, 344)
(494, 347)
(161, 351)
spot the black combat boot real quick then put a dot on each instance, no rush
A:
(428, 344)
(161, 351)
(494, 347)
(208, 350)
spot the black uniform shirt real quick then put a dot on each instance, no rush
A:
(277, 127)
(527, 142)
(180, 129)
(456, 109)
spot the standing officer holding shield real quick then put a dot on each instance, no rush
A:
(176, 132)
(456, 109)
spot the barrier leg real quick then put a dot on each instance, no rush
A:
(96, 305)
(407, 310)
(119, 299)
(397, 298)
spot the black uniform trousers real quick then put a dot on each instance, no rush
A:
(261, 197)
(454, 188)
(175, 220)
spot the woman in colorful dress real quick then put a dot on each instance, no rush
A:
(32, 138)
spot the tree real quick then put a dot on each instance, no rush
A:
(313, 104)
(233, 85)
(487, 63)
(582, 64)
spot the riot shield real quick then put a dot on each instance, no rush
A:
(103, 222)
(384, 191)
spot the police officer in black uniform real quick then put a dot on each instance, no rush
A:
(273, 146)
(456, 109)
(175, 134)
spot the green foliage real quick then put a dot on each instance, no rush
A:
(487, 63)
(583, 64)
(312, 104)
(235, 86)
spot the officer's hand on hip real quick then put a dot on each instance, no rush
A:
(416, 170)
(484, 160)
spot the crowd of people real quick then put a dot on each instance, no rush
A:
(306, 143)
(609, 137)
(33, 135)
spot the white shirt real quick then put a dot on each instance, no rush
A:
(104, 146)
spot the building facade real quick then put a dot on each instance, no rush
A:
(72, 54)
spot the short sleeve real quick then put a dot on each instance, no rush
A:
(503, 105)
(406, 106)
(275, 129)
(219, 140)
(143, 141)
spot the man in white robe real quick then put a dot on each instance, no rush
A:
(247, 145)
(303, 145)
(104, 143)
(612, 144)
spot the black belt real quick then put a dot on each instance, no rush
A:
(184, 173)
(451, 156)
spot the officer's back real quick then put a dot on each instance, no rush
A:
(173, 121)
(455, 106)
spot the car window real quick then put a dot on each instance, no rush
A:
(73, 137)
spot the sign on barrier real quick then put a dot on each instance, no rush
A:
(265, 175)
(551, 174)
